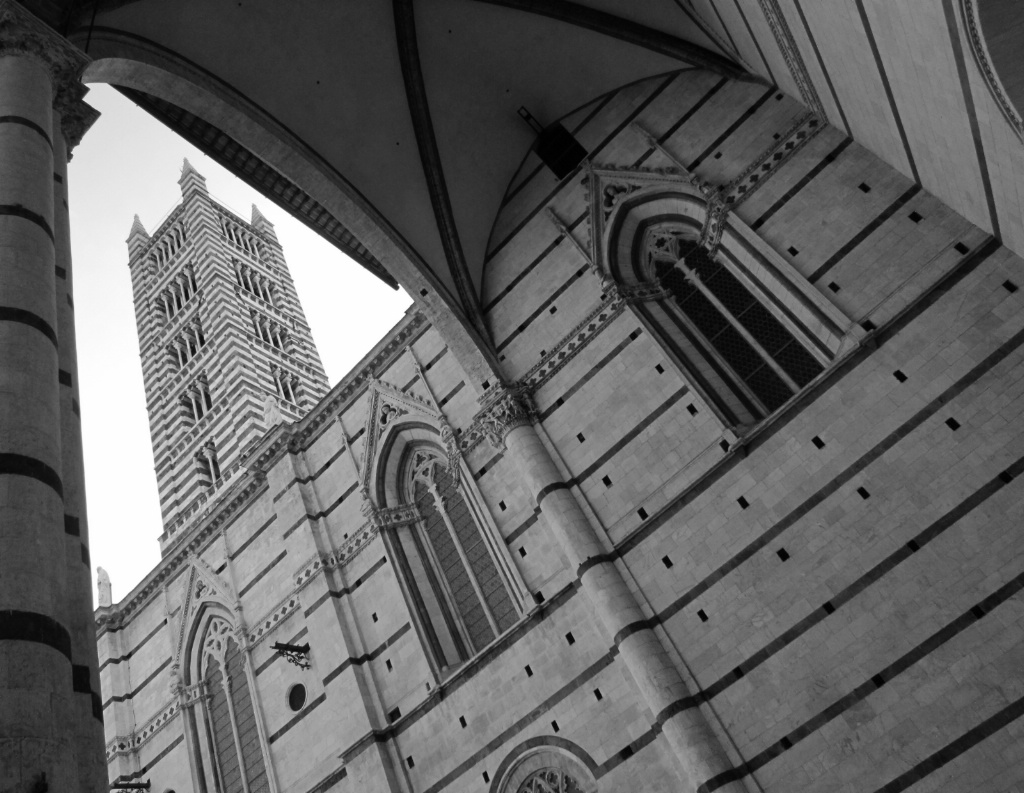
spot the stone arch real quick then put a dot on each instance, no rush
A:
(540, 754)
(130, 61)
(995, 33)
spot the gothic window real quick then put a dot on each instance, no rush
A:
(186, 345)
(230, 718)
(273, 333)
(207, 464)
(460, 595)
(748, 361)
(286, 384)
(196, 402)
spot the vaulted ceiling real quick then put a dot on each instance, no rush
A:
(407, 109)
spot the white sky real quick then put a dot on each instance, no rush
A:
(129, 163)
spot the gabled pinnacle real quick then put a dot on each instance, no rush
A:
(258, 217)
(186, 167)
(138, 228)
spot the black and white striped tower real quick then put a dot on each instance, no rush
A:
(49, 731)
(225, 347)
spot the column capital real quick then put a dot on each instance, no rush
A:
(506, 407)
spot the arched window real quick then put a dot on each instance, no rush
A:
(234, 742)
(757, 357)
(550, 780)
(459, 591)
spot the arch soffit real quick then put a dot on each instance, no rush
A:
(130, 61)
(545, 751)
(395, 422)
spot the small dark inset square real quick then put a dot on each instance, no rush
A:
(667, 562)
(486, 777)
(559, 402)
(778, 97)
(570, 638)
(978, 612)
(829, 608)
(702, 615)
(776, 136)
(374, 615)
(598, 695)
(543, 353)
(868, 325)
(553, 310)
(783, 554)
(554, 726)
(864, 187)
(661, 369)
(724, 445)
(912, 545)
(579, 437)
(410, 762)
(792, 251)
(1010, 286)
(818, 442)
(486, 384)
(692, 409)
(607, 481)
(953, 424)
(642, 513)
(1006, 477)
(423, 293)
(900, 377)
(916, 217)
(395, 715)
(462, 721)
(718, 155)
(878, 680)
(387, 663)
(501, 506)
(529, 672)
(786, 743)
(501, 357)
(522, 552)
(742, 502)
(833, 286)
(538, 597)
(961, 248)
(863, 493)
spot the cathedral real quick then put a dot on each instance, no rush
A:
(696, 465)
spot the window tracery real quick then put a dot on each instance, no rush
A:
(747, 360)
(459, 591)
(549, 780)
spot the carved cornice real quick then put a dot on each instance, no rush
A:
(265, 625)
(21, 33)
(127, 744)
(976, 38)
(339, 557)
(504, 408)
(791, 53)
(75, 120)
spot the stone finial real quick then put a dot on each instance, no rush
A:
(103, 585)
(191, 179)
(258, 217)
(138, 228)
(138, 239)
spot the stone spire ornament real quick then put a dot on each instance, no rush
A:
(105, 598)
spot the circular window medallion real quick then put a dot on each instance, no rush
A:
(297, 697)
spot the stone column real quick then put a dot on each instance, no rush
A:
(71, 119)
(506, 420)
(40, 722)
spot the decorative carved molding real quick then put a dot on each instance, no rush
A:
(202, 586)
(337, 558)
(504, 408)
(265, 624)
(21, 33)
(976, 38)
(791, 53)
(128, 744)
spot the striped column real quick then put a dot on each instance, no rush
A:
(69, 124)
(35, 642)
(38, 714)
(697, 749)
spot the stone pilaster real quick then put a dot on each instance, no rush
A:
(506, 420)
(48, 732)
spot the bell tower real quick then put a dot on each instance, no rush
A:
(225, 347)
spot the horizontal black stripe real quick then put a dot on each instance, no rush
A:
(22, 465)
(29, 626)
(362, 659)
(448, 398)
(10, 314)
(340, 593)
(252, 538)
(71, 526)
(146, 768)
(17, 210)
(136, 648)
(262, 573)
(134, 693)
(868, 687)
(542, 308)
(298, 717)
(522, 527)
(27, 122)
(731, 129)
(830, 158)
(329, 781)
(866, 232)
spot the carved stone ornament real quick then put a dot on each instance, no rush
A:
(21, 33)
(505, 409)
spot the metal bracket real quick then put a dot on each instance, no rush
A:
(294, 654)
